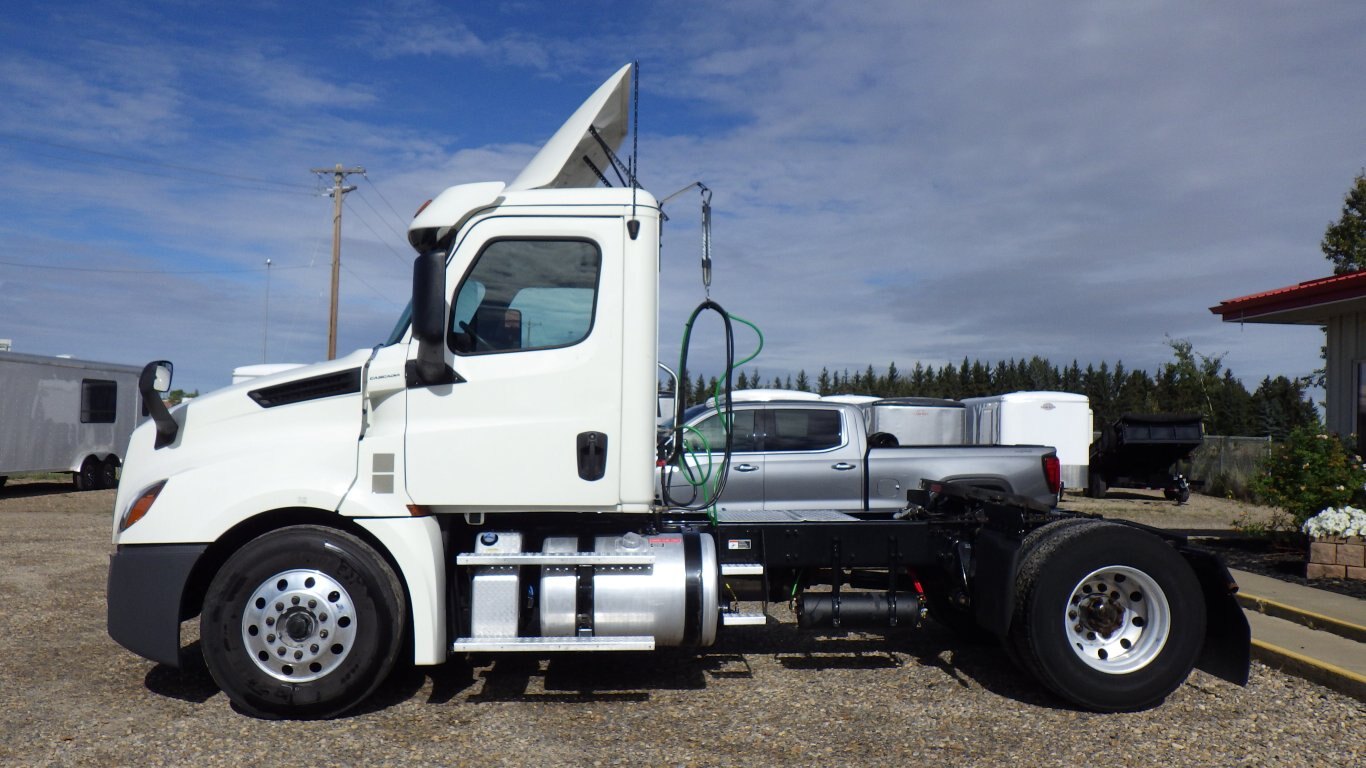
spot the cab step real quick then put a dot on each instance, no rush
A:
(735, 619)
(551, 644)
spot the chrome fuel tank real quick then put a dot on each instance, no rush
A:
(675, 599)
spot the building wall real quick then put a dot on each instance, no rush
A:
(1346, 352)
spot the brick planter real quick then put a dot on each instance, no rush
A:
(1336, 558)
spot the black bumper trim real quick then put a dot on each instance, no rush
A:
(146, 583)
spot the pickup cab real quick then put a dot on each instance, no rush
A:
(800, 454)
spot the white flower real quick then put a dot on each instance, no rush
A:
(1337, 522)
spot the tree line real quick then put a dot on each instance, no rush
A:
(1190, 383)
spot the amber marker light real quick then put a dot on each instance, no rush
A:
(417, 510)
(141, 507)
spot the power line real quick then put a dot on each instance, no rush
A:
(154, 163)
(143, 271)
(377, 235)
(382, 217)
(372, 288)
(397, 215)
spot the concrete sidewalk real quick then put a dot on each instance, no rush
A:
(1309, 632)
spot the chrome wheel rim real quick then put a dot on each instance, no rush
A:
(1117, 619)
(299, 625)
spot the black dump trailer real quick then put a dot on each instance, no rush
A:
(1140, 450)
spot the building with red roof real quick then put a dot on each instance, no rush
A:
(1338, 303)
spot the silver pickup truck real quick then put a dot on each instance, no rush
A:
(803, 454)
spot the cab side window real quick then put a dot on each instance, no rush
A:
(742, 436)
(526, 294)
(804, 430)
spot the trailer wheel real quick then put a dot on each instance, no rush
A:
(88, 478)
(1107, 616)
(303, 622)
(109, 472)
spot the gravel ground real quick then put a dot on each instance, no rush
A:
(70, 696)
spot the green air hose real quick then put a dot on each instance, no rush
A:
(708, 484)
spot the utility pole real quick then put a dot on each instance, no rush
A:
(339, 189)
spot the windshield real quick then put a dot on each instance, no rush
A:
(404, 320)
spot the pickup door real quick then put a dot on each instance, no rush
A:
(806, 457)
(813, 459)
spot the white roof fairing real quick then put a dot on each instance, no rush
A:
(558, 165)
(560, 162)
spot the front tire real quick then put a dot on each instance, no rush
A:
(304, 622)
(1107, 616)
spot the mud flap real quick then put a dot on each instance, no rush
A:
(993, 583)
(1227, 653)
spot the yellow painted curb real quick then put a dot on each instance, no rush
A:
(1321, 672)
(1300, 616)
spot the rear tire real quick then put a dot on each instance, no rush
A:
(1096, 487)
(109, 472)
(88, 478)
(304, 622)
(1109, 617)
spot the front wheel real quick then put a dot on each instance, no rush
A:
(1107, 616)
(303, 622)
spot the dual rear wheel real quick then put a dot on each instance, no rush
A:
(1107, 616)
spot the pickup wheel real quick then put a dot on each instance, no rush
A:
(303, 622)
(1107, 616)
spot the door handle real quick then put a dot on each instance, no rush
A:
(843, 466)
(746, 468)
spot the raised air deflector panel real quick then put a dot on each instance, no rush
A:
(560, 163)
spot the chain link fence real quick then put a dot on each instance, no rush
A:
(1224, 465)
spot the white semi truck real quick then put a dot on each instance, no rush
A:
(483, 482)
(59, 414)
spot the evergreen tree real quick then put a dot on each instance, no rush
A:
(803, 383)
(1344, 242)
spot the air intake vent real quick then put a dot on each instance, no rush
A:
(313, 388)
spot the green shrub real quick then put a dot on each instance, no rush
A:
(1309, 472)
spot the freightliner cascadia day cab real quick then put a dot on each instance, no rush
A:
(483, 482)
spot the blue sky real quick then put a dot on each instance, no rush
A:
(894, 181)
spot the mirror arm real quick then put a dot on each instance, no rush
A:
(167, 428)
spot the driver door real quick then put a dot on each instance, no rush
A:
(535, 339)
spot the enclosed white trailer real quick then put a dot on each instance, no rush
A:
(58, 414)
(917, 420)
(1060, 419)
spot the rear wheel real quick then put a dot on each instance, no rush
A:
(303, 622)
(109, 472)
(1107, 616)
(1095, 487)
(88, 478)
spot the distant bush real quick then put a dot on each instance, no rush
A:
(1309, 472)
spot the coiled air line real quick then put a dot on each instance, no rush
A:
(714, 475)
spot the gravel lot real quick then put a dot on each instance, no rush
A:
(70, 696)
